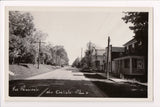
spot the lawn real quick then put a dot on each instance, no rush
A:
(23, 71)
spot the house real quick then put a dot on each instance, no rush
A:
(114, 52)
(99, 57)
(130, 63)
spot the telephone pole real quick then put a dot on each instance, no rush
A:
(39, 50)
(81, 52)
(107, 65)
(81, 57)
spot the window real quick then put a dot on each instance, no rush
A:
(133, 45)
(127, 47)
(130, 48)
(126, 63)
(140, 64)
(134, 63)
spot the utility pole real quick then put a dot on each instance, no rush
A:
(81, 52)
(81, 57)
(96, 60)
(39, 50)
(90, 54)
(107, 67)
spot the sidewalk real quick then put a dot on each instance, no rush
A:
(122, 80)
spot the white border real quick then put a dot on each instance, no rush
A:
(154, 4)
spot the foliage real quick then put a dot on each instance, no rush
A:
(76, 63)
(21, 27)
(140, 28)
(57, 55)
(86, 61)
(24, 46)
(21, 24)
(89, 51)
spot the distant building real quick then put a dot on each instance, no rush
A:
(99, 57)
(114, 52)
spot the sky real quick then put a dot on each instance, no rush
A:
(74, 28)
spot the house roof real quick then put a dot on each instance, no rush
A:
(117, 49)
(99, 47)
(130, 42)
(100, 52)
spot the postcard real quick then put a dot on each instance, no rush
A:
(78, 53)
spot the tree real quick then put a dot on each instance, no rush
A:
(47, 56)
(140, 29)
(20, 26)
(21, 23)
(59, 55)
(76, 63)
(23, 42)
(89, 51)
(22, 37)
(33, 46)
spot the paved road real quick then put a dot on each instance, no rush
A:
(66, 81)
(70, 82)
(66, 73)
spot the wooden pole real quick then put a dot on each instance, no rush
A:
(81, 57)
(107, 67)
(81, 52)
(39, 50)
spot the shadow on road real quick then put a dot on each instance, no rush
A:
(24, 65)
(95, 76)
(75, 88)
(52, 88)
(118, 89)
(123, 90)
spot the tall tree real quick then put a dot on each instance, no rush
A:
(22, 37)
(59, 55)
(140, 28)
(20, 26)
(89, 51)
(21, 23)
(23, 42)
(76, 63)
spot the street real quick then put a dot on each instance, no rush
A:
(70, 82)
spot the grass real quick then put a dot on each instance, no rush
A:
(23, 71)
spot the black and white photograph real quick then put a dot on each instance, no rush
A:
(78, 52)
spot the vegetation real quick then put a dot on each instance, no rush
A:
(86, 61)
(140, 28)
(23, 71)
(76, 63)
(24, 46)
